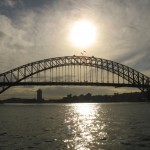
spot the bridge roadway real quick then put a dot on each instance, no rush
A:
(70, 84)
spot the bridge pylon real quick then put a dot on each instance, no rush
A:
(148, 95)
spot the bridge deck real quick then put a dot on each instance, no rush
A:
(68, 83)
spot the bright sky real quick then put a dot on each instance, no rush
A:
(29, 31)
(83, 34)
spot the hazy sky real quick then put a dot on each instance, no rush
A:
(32, 30)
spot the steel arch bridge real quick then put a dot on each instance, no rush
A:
(75, 70)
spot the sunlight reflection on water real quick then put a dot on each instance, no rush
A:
(84, 127)
(116, 126)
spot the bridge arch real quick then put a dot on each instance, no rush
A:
(15, 76)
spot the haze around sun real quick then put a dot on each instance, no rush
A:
(83, 34)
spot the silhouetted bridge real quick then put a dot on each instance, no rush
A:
(75, 71)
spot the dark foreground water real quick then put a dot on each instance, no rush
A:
(121, 126)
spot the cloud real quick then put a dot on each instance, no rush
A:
(134, 59)
(10, 3)
(13, 44)
(123, 28)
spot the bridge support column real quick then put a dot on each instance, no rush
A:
(148, 95)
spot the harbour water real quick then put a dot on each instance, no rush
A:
(82, 126)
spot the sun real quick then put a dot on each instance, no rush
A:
(83, 34)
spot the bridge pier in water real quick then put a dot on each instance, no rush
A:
(148, 96)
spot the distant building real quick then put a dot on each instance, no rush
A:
(39, 95)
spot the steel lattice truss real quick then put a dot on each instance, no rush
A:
(16, 76)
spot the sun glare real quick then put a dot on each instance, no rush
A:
(83, 34)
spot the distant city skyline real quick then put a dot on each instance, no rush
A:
(35, 30)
